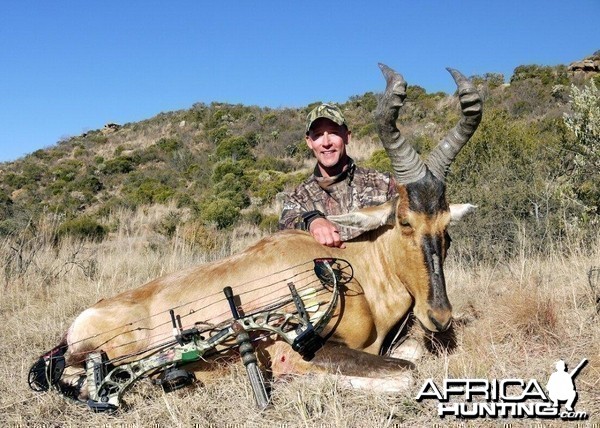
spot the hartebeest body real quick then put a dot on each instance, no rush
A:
(397, 265)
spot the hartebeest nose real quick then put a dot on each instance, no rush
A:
(441, 319)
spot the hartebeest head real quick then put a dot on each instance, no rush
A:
(420, 215)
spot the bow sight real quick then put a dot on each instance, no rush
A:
(298, 319)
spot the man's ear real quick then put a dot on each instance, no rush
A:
(308, 141)
(368, 218)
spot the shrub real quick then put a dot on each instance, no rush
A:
(235, 148)
(225, 167)
(368, 129)
(269, 223)
(584, 122)
(16, 181)
(545, 74)
(230, 182)
(150, 154)
(119, 165)
(221, 212)
(169, 145)
(6, 205)
(96, 137)
(273, 164)
(33, 172)
(206, 238)
(83, 227)
(67, 170)
(415, 92)
(380, 161)
(167, 226)
(267, 184)
(253, 217)
(148, 191)
(216, 135)
(89, 183)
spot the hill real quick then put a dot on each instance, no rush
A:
(523, 274)
(220, 165)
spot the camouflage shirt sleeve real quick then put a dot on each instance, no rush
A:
(292, 212)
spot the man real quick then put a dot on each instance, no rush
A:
(337, 185)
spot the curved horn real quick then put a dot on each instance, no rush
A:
(406, 163)
(471, 107)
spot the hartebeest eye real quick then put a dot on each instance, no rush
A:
(404, 223)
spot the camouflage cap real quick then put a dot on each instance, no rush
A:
(327, 111)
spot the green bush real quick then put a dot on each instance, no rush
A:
(415, 92)
(119, 165)
(167, 226)
(269, 223)
(147, 155)
(96, 137)
(546, 74)
(235, 148)
(16, 181)
(221, 212)
(6, 205)
(225, 167)
(230, 182)
(380, 161)
(368, 130)
(148, 191)
(33, 172)
(169, 145)
(368, 101)
(253, 217)
(89, 183)
(267, 185)
(67, 170)
(83, 228)
(273, 164)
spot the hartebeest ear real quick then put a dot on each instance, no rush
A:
(458, 211)
(368, 218)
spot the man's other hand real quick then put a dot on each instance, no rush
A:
(326, 233)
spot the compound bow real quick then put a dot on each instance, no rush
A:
(300, 327)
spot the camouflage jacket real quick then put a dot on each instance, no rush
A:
(353, 189)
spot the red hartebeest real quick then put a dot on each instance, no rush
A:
(397, 265)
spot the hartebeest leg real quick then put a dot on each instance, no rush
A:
(356, 368)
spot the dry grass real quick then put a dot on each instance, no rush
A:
(514, 320)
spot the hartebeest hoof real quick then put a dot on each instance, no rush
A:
(410, 350)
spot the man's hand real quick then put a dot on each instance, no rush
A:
(326, 233)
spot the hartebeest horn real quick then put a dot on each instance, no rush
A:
(406, 163)
(441, 157)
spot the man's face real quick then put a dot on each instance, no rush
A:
(328, 142)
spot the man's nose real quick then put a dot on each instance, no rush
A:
(325, 137)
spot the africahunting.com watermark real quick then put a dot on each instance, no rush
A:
(507, 398)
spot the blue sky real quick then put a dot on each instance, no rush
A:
(67, 67)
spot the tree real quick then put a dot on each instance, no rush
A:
(584, 123)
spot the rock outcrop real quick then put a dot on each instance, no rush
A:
(587, 67)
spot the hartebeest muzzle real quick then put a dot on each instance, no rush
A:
(440, 309)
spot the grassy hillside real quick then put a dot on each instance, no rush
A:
(513, 319)
(107, 211)
(219, 165)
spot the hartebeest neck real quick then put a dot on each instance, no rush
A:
(405, 260)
